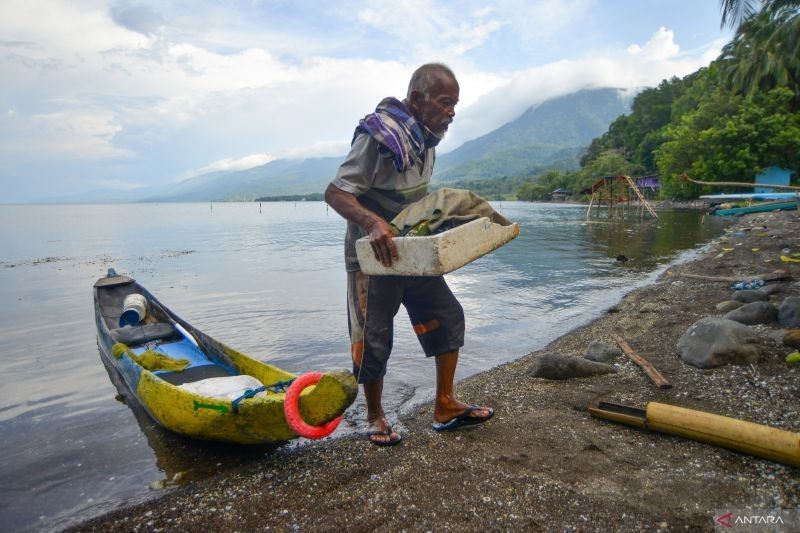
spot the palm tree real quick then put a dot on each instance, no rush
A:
(734, 12)
(765, 52)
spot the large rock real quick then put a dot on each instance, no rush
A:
(601, 352)
(789, 312)
(772, 288)
(754, 313)
(748, 296)
(728, 305)
(712, 342)
(551, 365)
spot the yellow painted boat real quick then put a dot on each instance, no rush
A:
(170, 395)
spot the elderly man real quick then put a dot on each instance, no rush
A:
(389, 166)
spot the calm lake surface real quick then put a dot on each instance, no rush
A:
(268, 280)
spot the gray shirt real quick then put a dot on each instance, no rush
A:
(373, 179)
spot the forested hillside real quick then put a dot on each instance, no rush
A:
(725, 122)
(550, 135)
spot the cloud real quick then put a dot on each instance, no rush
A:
(140, 92)
(319, 149)
(635, 67)
(137, 17)
(81, 135)
(119, 185)
(229, 163)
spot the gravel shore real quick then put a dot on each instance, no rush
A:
(543, 463)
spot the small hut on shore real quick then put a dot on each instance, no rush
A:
(559, 195)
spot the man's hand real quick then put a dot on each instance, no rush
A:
(380, 238)
(380, 232)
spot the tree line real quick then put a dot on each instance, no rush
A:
(724, 122)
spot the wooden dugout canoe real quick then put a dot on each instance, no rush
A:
(255, 420)
(763, 207)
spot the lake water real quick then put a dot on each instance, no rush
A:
(268, 280)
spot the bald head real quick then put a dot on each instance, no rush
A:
(432, 96)
(425, 77)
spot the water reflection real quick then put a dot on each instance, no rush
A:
(179, 459)
(270, 283)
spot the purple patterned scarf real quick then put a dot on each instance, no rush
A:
(397, 132)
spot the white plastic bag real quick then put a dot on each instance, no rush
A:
(230, 387)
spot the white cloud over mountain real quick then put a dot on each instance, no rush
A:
(135, 92)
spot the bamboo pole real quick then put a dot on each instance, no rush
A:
(755, 439)
(685, 177)
(649, 369)
(747, 437)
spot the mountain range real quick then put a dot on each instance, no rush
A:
(551, 133)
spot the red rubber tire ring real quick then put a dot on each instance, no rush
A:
(291, 408)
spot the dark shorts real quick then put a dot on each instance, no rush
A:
(373, 301)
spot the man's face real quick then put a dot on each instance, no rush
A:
(438, 110)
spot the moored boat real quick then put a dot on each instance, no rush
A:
(192, 384)
(757, 208)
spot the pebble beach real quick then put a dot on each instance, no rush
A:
(543, 462)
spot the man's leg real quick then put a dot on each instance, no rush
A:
(372, 304)
(375, 415)
(446, 406)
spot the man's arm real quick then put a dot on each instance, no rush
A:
(380, 232)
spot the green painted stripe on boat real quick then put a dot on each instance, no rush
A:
(215, 407)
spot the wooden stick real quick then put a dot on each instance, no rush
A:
(739, 184)
(651, 371)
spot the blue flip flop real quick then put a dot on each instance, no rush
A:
(464, 419)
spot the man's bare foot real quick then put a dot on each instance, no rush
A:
(445, 412)
(381, 433)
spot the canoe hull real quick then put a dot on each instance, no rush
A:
(256, 420)
(762, 208)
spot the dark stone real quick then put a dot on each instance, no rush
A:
(551, 365)
(772, 288)
(748, 296)
(728, 305)
(754, 313)
(789, 312)
(601, 352)
(712, 342)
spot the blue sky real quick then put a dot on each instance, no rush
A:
(116, 96)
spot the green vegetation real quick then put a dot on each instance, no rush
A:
(542, 138)
(725, 122)
(310, 197)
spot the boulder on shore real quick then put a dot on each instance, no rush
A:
(712, 342)
(601, 352)
(551, 365)
(749, 296)
(754, 313)
(789, 312)
(728, 305)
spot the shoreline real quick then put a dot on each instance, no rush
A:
(542, 462)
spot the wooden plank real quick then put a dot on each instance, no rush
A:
(651, 371)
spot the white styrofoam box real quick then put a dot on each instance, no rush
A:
(434, 255)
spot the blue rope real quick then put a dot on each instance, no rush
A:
(249, 393)
(280, 386)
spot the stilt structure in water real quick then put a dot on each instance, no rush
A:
(617, 192)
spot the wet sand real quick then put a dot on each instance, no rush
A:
(542, 462)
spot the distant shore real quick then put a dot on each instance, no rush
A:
(543, 462)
